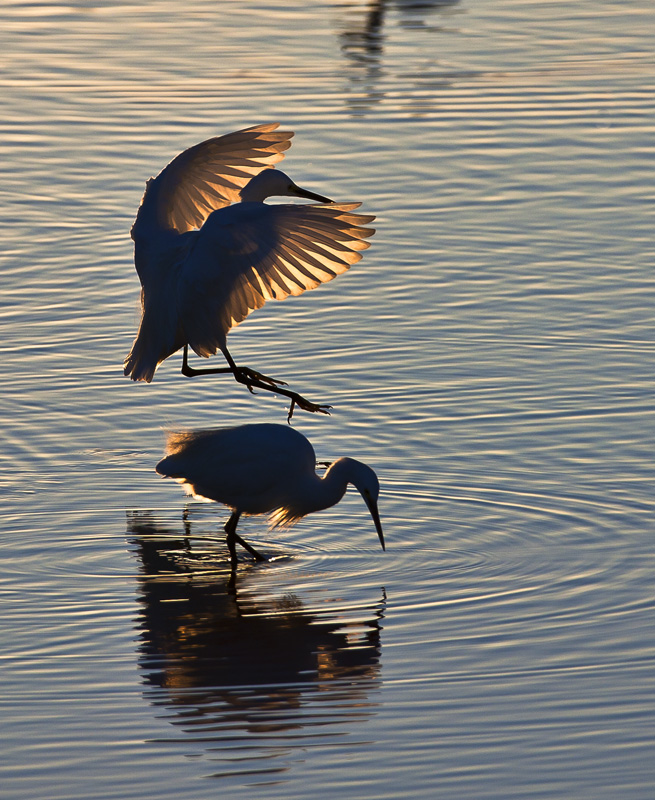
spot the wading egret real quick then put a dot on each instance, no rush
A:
(204, 264)
(263, 469)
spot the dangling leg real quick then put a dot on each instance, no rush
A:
(191, 372)
(251, 378)
(233, 539)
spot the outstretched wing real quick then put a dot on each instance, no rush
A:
(210, 175)
(252, 252)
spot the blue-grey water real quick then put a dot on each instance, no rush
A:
(491, 357)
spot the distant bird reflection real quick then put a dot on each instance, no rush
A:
(230, 658)
(263, 469)
(208, 250)
(363, 40)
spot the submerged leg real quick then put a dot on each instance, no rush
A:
(253, 379)
(233, 539)
(231, 531)
(257, 556)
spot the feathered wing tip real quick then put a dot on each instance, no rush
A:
(269, 252)
(211, 174)
(178, 441)
(283, 518)
(315, 243)
(172, 466)
(156, 339)
(138, 365)
(130, 370)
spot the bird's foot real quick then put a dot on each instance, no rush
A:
(251, 377)
(305, 405)
(255, 380)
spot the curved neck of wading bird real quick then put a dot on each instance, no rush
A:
(332, 487)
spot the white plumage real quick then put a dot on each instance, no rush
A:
(263, 469)
(204, 264)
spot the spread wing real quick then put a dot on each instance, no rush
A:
(249, 253)
(210, 175)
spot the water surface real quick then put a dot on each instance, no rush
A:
(491, 357)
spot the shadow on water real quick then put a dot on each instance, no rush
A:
(238, 666)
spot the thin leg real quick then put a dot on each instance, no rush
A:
(257, 556)
(251, 378)
(233, 539)
(191, 372)
(231, 531)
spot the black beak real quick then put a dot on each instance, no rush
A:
(373, 508)
(310, 195)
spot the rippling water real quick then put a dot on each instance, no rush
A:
(491, 357)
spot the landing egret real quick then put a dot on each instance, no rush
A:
(204, 264)
(263, 469)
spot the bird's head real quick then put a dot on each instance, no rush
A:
(364, 479)
(275, 183)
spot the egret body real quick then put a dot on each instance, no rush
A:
(208, 250)
(263, 469)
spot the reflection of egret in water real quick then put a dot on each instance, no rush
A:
(238, 667)
(362, 43)
(263, 469)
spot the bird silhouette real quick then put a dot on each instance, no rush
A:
(208, 251)
(263, 469)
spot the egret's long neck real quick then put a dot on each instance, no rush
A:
(334, 483)
(314, 494)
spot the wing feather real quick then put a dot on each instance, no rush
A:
(211, 174)
(249, 253)
(318, 258)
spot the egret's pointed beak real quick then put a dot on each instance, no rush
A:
(309, 195)
(373, 508)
